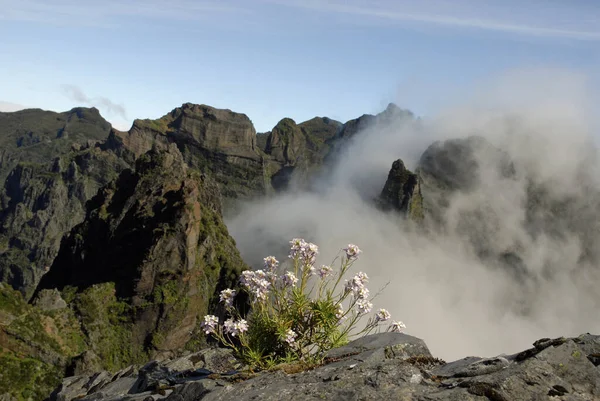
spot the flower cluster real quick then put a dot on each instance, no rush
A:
(227, 296)
(324, 271)
(289, 279)
(256, 283)
(209, 325)
(306, 251)
(235, 327)
(383, 315)
(290, 337)
(295, 315)
(397, 326)
(357, 286)
(271, 263)
(352, 252)
(363, 306)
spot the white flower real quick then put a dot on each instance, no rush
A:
(364, 306)
(308, 255)
(383, 315)
(340, 312)
(227, 296)
(361, 277)
(235, 328)
(289, 279)
(260, 274)
(242, 325)
(352, 251)
(290, 337)
(397, 326)
(209, 324)
(271, 263)
(362, 293)
(297, 246)
(324, 271)
(256, 283)
(306, 252)
(357, 286)
(229, 326)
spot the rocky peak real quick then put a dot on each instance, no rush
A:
(219, 130)
(215, 141)
(391, 115)
(401, 192)
(286, 142)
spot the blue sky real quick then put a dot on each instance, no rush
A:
(272, 59)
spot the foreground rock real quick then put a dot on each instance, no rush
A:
(386, 366)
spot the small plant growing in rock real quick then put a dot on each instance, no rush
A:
(300, 314)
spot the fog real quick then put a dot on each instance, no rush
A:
(457, 302)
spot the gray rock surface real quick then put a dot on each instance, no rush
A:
(386, 366)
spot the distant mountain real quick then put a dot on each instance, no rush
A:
(37, 136)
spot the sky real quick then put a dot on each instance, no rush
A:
(272, 59)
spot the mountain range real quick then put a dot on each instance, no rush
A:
(113, 244)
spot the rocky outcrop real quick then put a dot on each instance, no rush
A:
(386, 366)
(402, 192)
(297, 151)
(43, 197)
(286, 142)
(148, 259)
(215, 141)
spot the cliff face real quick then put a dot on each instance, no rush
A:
(53, 165)
(215, 141)
(402, 192)
(143, 255)
(154, 245)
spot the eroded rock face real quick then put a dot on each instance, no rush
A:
(216, 141)
(44, 193)
(402, 192)
(388, 366)
(154, 250)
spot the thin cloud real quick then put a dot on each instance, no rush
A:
(75, 93)
(103, 13)
(544, 24)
